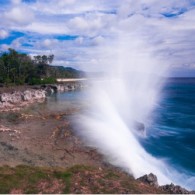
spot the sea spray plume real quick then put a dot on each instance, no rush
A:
(128, 93)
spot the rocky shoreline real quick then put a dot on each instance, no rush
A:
(152, 180)
(15, 99)
(46, 139)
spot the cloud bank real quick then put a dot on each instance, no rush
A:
(75, 30)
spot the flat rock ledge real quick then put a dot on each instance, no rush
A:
(18, 99)
(152, 180)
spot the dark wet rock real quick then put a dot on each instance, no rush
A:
(50, 89)
(150, 179)
(139, 126)
(174, 189)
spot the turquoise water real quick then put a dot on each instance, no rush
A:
(172, 133)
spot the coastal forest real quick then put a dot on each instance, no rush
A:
(20, 68)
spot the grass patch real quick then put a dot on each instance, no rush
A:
(77, 179)
(66, 177)
(26, 178)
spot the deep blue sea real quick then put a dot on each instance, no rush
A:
(172, 133)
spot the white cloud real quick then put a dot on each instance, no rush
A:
(47, 44)
(91, 24)
(3, 34)
(16, 2)
(46, 28)
(19, 15)
(65, 6)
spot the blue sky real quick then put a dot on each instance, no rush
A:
(76, 31)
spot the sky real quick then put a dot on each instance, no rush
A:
(75, 30)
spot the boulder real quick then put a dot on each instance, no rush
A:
(150, 179)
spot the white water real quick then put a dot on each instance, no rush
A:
(129, 92)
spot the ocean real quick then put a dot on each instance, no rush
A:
(171, 135)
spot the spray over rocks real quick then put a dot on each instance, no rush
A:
(120, 106)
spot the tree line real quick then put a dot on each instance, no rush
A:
(19, 68)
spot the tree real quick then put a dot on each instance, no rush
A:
(50, 58)
(44, 59)
(42, 63)
(15, 67)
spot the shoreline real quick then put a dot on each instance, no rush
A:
(16, 97)
(52, 142)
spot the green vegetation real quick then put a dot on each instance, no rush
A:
(19, 68)
(32, 180)
(77, 179)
